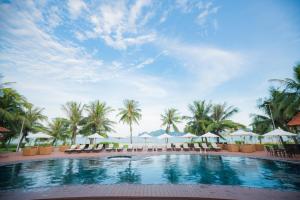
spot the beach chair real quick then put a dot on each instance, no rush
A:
(215, 147)
(130, 147)
(150, 147)
(139, 148)
(169, 147)
(71, 149)
(197, 147)
(177, 147)
(186, 147)
(110, 147)
(159, 148)
(89, 148)
(98, 148)
(80, 148)
(205, 147)
(120, 148)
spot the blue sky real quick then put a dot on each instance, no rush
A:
(162, 53)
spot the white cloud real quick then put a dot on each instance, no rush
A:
(119, 25)
(76, 7)
(210, 66)
(206, 10)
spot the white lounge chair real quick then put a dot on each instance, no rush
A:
(89, 148)
(98, 148)
(110, 147)
(197, 147)
(186, 147)
(120, 148)
(139, 148)
(159, 148)
(205, 147)
(169, 147)
(177, 147)
(80, 148)
(71, 149)
(150, 147)
(215, 147)
(129, 147)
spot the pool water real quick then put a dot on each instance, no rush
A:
(161, 169)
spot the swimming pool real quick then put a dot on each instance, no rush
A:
(156, 169)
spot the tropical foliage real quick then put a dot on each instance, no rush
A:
(130, 113)
(58, 128)
(170, 118)
(208, 117)
(281, 105)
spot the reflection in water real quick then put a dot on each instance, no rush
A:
(129, 175)
(161, 169)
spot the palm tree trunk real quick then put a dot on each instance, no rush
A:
(22, 137)
(130, 126)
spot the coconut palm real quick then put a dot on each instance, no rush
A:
(3, 85)
(170, 118)
(130, 113)
(58, 128)
(221, 114)
(200, 119)
(97, 119)
(74, 112)
(32, 121)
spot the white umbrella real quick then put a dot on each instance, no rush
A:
(145, 136)
(39, 136)
(242, 133)
(279, 133)
(209, 135)
(189, 135)
(95, 136)
(164, 136)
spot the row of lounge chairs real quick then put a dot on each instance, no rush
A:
(284, 151)
(169, 147)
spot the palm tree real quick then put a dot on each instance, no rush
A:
(200, 119)
(130, 113)
(58, 128)
(170, 118)
(74, 114)
(97, 119)
(3, 85)
(32, 118)
(220, 118)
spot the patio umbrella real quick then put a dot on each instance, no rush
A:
(165, 136)
(189, 135)
(39, 136)
(242, 133)
(95, 136)
(209, 135)
(279, 133)
(145, 136)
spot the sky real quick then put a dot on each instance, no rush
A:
(164, 54)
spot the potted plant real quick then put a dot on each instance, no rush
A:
(29, 150)
(234, 147)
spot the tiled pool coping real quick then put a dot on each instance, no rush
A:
(133, 191)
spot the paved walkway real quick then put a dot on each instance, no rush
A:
(17, 156)
(150, 192)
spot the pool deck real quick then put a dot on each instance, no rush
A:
(134, 191)
(13, 157)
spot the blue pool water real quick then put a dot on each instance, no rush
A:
(161, 169)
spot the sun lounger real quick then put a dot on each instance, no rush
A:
(186, 147)
(98, 148)
(215, 147)
(71, 149)
(150, 147)
(159, 148)
(197, 147)
(139, 148)
(110, 147)
(89, 148)
(80, 148)
(177, 147)
(120, 148)
(129, 147)
(205, 147)
(169, 147)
